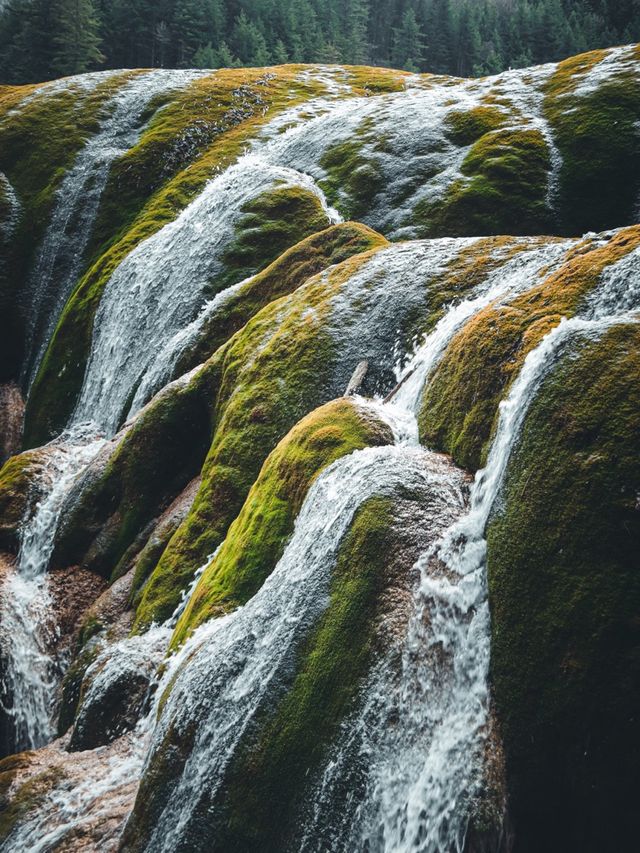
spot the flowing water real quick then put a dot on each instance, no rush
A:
(414, 750)
(416, 743)
(62, 252)
(30, 671)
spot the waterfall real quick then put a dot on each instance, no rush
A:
(156, 290)
(61, 255)
(31, 672)
(412, 754)
(27, 625)
(423, 769)
(163, 287)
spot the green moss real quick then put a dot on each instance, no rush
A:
(271, 223)
(154, 460)
(564, 583)
(148, 559)
(270, 777)
(273, 372)
(39, 141)
(503, 189)
(598, 139)
(17, 492)
(367, 80)
(465, 127)
(460, 404)
(317, 252)
(353, 178)
(257, 537)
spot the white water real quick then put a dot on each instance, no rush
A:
(61, 255)
(27, 622)
(164, 284)
(161, 287)
(616, 62)
(417, 797)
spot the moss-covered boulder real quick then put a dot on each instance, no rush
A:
(257, 537)
(461, 401)
(115, 691)
(290, 270)
(593, 105)
(19, 490)
(274, 769)
(293, 356)
(133, 479)
(503, 188)
(564, 583)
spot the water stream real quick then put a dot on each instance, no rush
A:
(417, 740)
(61, 255)
(31, 670)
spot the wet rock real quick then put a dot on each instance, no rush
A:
(11, 420)
(20, 479)
(115, 689)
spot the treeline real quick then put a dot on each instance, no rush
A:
(40, 39)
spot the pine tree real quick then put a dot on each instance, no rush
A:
(224, 56)
(280, 55)
(76, 40)
(408, 43)
(205, 57)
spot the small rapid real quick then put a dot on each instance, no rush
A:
(30, 670)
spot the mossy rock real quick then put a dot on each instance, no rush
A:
(459, 405)
(129, 214)
(273, 773)
(39, 141)
(18, 491)
(26, 797)
(270, 224)
(464, 127)
(564, 585)
(272, 373)
(597, 135)
(134, 479)
(293, 356)
(257, 538)
(503, 189)
(288, 272)
(72, 683)
(353, 178)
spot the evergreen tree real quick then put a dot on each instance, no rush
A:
(225, 58)
(76, 38)
(205, 57)
(408, 43)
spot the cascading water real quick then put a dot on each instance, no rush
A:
(31, 672)
(26, 623)
(414, 749)
(162, 287)
(60, 257)
(417, 740)
(154, 292)
(424, 770)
